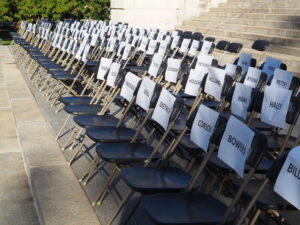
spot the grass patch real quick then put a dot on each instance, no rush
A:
(5, 37)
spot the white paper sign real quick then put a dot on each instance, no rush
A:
(215, 81)
(104, 66)
(206, 47)
(230, 69)
(129, 86)
(145, 93)
(172, 70)
(163, 47)
(241, 100)
(203, 126)
(151, 47)
(174, 42)
(275, 106)
(194, 47)
(270, 65)
(204, 61)
(155, 64)
(244, 62)
(282, 78)
(235, 145)
(288, 181)
(252, 77)
(185, 45)
(194, 81)
(85, 53)
(113, 73)
(126, 52)
(143, 44)
(79, 51)
(163, 108)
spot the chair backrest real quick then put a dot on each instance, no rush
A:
(222, 45)
(260, 45)
(234, 47)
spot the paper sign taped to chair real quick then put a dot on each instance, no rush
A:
(270, 65)
(206, 47)
(287, 184)
(145, 93)
(252, 77)
(143, 44)
(163, 108)
(240, 100)
(194, 81)
(155, 64)
(129, 86)
(163, 47)
(235, 145)
(204, 61)
(172, 70)
(175, 42)
(104, 66)
(230, 69)
(244, 61)
(151, 47)
(282, 79)
(214, 82)
(126, 52)
(194, 47)
(85, 53)
(185, 45)
(275, 106)
(203, 126)
(113, 73)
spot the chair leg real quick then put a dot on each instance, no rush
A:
(131, 214)
(78, 151)
(69, 138)
(255, 217)
(63, 126)
(90, 170)
(76, 138)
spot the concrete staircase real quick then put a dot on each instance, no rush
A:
(247, 20)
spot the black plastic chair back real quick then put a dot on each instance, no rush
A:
(228, 81)
(177, 109)
(293, 111)
(197, 36)
(263, 79)
(260, 45)
(234, 47)
(295, 85)
(276, 167)
(211, 39)
(155, 96)
(222, 45)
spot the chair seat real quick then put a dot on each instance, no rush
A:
(111, 134)
(64, 77)
(73, 100)
(155, 179)
(189, 102)
(58, 72)
(268, 198)
(263, 167)
(275, 142)
(83, 109)
(211, 103)
(88, 121)
(138, 69)
(125, 153)
(185, 208)
(188, 144)
(52, 66)
(258, 124)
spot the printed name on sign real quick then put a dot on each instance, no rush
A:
(206, 47)
(215, 81)
(287, 184)
(172, 70)
(113, 73)
(241, 100)
(163, 108)
(204, 61)
(252, 77)
(155, 65)
(203, 126)
(282, 79)
(194, 81)
(129, 86)
(230, 69)
(235, 145)
(275, 106)
(145, 93)
(194, 47)
(104, 66)
(185, 45)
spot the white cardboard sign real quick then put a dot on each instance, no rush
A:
(126, 52)
(185, 45)
(129, 86)
(163, 47)
(270, 65)
(172, 70)
(174, 42)
(113, 73)
(252, 77)
(155, 65)
(215, 81)
(104, 66)
(163, 108)
(151, 47)
(240, 100)
(143, 44)
(194, 47)
(194, 81)
(230, 69)
(244, 61)
(85, 52)
(275, 106)
(288, 181)
(235, 145)
(206, 47)
(204, 61)
(145, 93)
(203, 126)
(282, 78)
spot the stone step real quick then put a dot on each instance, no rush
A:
(244, 21)
(290, 11)
(295, 42)
(248, 28)
(287, 2)
(276, 4)
(256, 16)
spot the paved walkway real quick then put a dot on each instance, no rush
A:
(16, 203)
